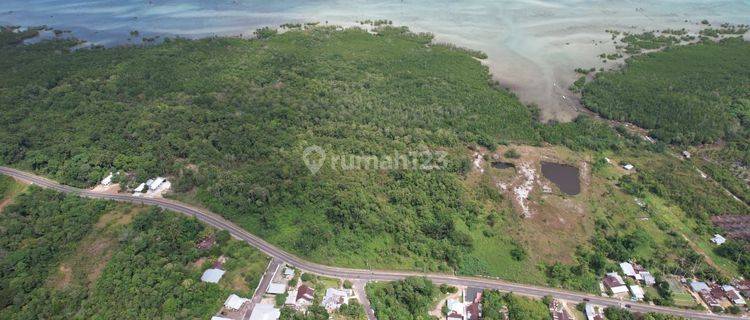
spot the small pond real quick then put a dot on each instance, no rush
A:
(502, 165)
(563, 176)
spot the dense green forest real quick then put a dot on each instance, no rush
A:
(69, 258)
(230, 118)
(686, 94)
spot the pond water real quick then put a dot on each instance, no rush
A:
(564, 176)
(502, 165)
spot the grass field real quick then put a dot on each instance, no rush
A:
(681, 297)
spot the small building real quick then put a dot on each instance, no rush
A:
(212, 275)
(276, 288)
(156, 183)
(698, 286)
(743, 287)
(594, 312)
(705, 294)
(474, 310)
(648, 278)
(140, 187)
(557, 309)
(614, 283)
(107, 180)
(686, 154)
(733, 295)
(304, 296)
(235, 302)
(335, 298)
(264, 311)
(456, 310)
(288, 273)
(628, 270)
(718, 239)
(628, 166)
(637, 292)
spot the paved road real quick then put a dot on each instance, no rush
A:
(361, 293)
(216, 221)
(271, 270)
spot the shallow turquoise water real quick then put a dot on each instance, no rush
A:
(533, 44)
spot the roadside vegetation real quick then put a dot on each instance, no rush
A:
(65, 257)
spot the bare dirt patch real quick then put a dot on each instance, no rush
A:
(549, 223)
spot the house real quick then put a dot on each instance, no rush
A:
(718, 239)
(686, 154)
(156, 183)
(107, 180)
(288, 273)
(594, 312)
(474, 310)
(698, 286)
(140, 187)
(334, 298)
(628, 166)
(304, 296)
(212, 275)
(614, 283)
(705, 294)
(743, 287)
(733, 295)
(557, 309)
(629, 270)
(648, 278)
(456, 309)
(276, 288)
(263, 311)
(637, 292)
(235, 302)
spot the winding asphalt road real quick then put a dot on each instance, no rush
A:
(362, 275)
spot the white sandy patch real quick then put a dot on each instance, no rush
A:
(523, 191)
(479, 161)
(113, 188)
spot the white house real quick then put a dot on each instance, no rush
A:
(718, 239)
(288, 273)
(628, 270)
(637, 292)
(614, 282)
(276, 288)
(594, 312)
(628, 166)
(107, 180)
(648, 278)
(334, 298)
(140, 187)
(212, 275)
(264, 311)
(698, 286)
(156, 183)
(456, 309)
(235, 302)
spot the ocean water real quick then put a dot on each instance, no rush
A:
(533, 45)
